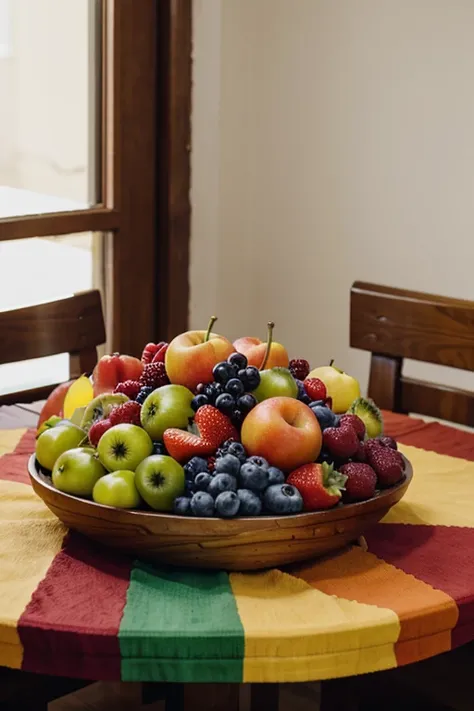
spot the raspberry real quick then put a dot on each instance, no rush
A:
(355, 422)
(299, 368)
(315, 388)
(97, 430)
(129, 412)
(130, 388)
(154, 375)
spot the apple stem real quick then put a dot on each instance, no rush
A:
(270, 327)
(331, 362)
(209, 328)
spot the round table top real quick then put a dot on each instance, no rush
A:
(69, 607)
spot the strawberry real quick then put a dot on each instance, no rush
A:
(150, 350)
(361, 481)
(159, 356)
(360, 455)
(355, 422)
(97, 430)
(183, 445)
(342, 442)
(387, 463)
(154, 375)
(319, 485)
(315, 388)
(213, 428)
(299, 368)
(130, 388)
(128, 413)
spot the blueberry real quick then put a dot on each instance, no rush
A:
(227, 504)
(235, 387)
(202, 504)
(229, 463)
(318, 403)
(238, 450)
(302, 393)
(202, 481)
(212, 391)
(189, 487)
(250, 503)
(159, 448)
(182, 506)
(143, 394)
(325, 416)
(194, 467)
(222, 482)
(238, 360)
(283, 499)
(198, 402)
(250, 377)
(225, 403)
(259, 461)
(246, 402)
(275, 476)
(222, 372)
(253, 477)
(237, 417)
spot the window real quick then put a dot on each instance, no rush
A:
(5, 29)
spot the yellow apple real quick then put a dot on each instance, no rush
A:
(341, 387)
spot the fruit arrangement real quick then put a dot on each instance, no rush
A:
(203, 427)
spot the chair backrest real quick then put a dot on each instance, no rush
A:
(394, 324)
(74, 325)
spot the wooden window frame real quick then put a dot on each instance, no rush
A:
(144, 172)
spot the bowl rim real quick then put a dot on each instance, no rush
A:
(356, 508)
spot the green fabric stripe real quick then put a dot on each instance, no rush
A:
(180, 625)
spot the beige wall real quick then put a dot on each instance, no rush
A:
(333, 140)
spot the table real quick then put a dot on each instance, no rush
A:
(72, 608)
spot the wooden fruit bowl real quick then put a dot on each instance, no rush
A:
(233, 544)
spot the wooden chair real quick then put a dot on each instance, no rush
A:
(74, 325)
(394, 324)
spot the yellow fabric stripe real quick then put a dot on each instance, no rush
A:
(440, 494)
(9, 440)
(26, 552)
(295, 632)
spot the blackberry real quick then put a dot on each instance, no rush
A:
(143, 394)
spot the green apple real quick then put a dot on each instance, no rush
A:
(124, 447)
(168, 406)
(47, 424)
(77, 471)
(117, 489)
(276, 382)
(159, 480)
(56, 440)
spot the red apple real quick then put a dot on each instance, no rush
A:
(284, 431)
(55, 402)
(114, 369)
(191, 356)
(254, 350)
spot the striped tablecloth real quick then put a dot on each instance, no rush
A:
(69, 607)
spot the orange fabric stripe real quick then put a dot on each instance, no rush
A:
(357, 575)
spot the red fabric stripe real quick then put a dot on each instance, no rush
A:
(442, 556)
(70, 627)
(27, 443)
(14, 467)
(430, 435)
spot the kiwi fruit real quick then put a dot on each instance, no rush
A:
(369, 413)
(99, 408)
